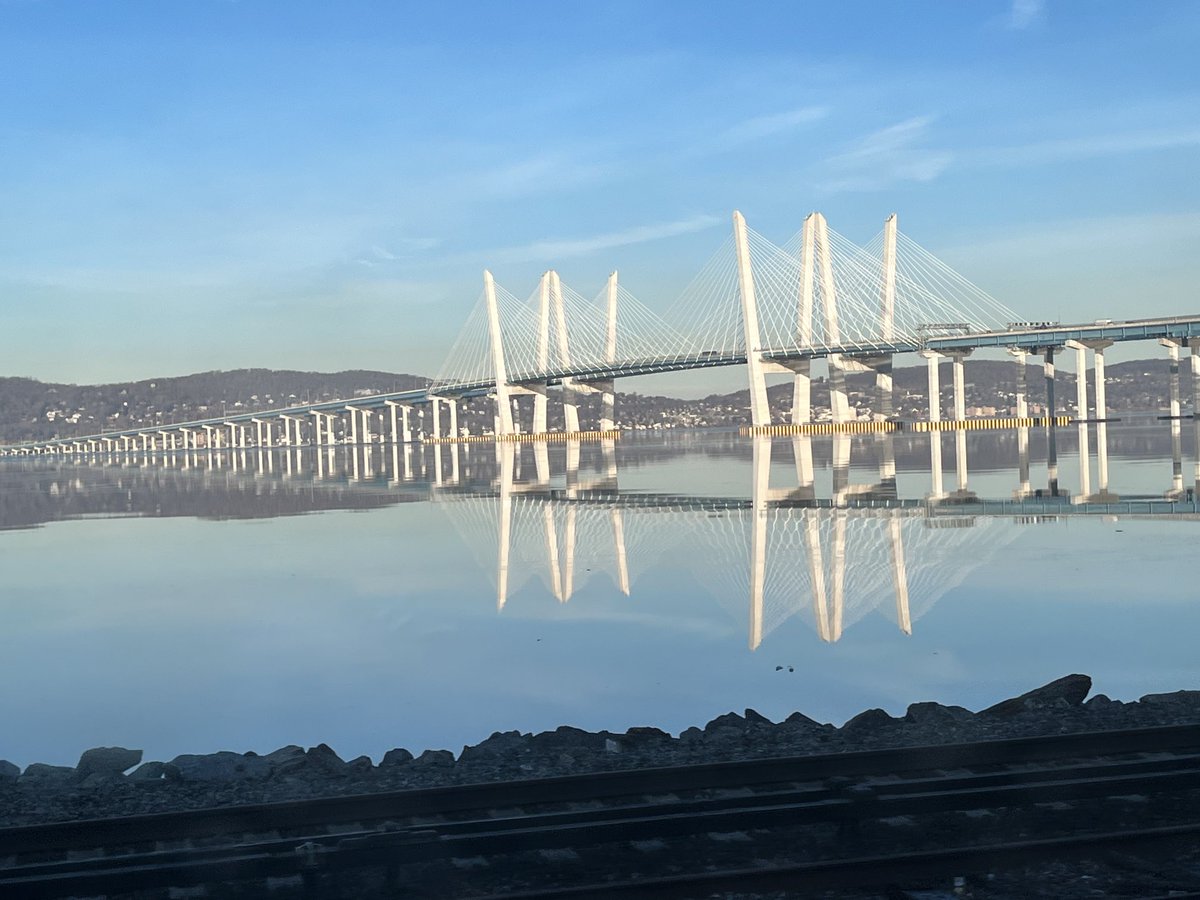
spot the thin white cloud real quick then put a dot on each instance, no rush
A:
(551, 250)
(761, 127)
(401, 249)
(1025, 13)
(539, 174)
(892, 154)
(1087, 238)
(1052, 151)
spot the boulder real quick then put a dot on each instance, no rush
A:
(323, 759)
(361, 765)
(106, 761)
(565, 738)
(755, 718)
(396, 757)
(930, 713)
(438, 759)
(727, 721)
(150, 771)
(9, 771)
(44, 775)
(868, 721)
(799, 720)
(1070, 689)
(221, 766)
(286, 759)
(500, 744)
(644, 736)
(1184, 701)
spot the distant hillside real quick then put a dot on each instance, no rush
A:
(33, 410)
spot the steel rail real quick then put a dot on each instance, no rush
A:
(335, 853)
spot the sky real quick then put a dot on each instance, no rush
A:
(217, 184)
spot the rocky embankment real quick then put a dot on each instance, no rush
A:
(112, 781)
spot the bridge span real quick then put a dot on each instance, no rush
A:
(768, 308)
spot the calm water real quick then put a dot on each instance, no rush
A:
(426, 598)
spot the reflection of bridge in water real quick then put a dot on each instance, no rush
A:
(829, 560)
(829, 557)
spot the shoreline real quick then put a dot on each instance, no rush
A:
(116, 781)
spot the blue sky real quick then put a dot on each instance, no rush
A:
(215, 184)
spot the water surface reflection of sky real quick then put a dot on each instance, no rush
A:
(194, 603)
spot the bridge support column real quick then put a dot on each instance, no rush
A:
(801, 391)
(570, 397)
(1173, 356)
(760, 410)
(504, 418)
(1022, 389)
(608, 395)
(933, 360)
(1048, 372)
(960, 387)
(453, 404)
(1081, 391)
(353, 425)
(1101, 398)
(435, 412)
(1194, 354)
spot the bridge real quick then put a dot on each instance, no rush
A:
(772, 309)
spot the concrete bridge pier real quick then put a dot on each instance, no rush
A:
(932, 361)
(1173, 356)
(1081, 390)
(435, 414)
(1022, 387)
(1048, 373)
(1098, 348)
(960, 387)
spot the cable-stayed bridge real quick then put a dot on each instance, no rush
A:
(770, 308)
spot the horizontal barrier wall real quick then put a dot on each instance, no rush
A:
(881, 427)
(890, 426)
(976, 424)
(539, 437)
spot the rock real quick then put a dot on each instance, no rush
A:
(106, 761)
(1102, 703)
(361, 764)
(1188, 701)
(644, 736)
(800, 720)
(101, 779)
(9, 771)
(755, 718)
(611, 746)
(691, 735)
(500, 744)
(149, 771)
(221, 766)
(565, 739)
(1070, 688)
(729, 720)
(867, 721)
(323, 759)
(286, 759)
(439, 759)
(936, 714)
(47, 776)
(396, 757)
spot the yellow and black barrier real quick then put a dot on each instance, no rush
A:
(549, 437)
(982, 424)
(879, 427)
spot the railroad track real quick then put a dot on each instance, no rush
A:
(575, 832)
